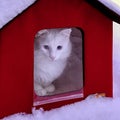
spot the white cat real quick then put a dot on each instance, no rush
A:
(50, 58)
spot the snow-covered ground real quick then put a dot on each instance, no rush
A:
(89, 109)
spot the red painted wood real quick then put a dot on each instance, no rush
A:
(16, 51)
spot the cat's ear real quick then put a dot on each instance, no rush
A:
(41, 33)
(66, 32)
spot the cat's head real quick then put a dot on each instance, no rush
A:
(55, 44)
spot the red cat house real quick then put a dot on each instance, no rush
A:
(17, 48)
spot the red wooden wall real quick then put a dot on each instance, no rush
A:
(16, 50)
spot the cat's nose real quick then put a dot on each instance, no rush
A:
(52, 57)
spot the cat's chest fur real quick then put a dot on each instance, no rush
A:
(46, 69)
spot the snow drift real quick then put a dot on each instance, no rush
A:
(90, 109)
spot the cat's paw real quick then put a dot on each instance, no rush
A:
(50, 88)
(39, 90)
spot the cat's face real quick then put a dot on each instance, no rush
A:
(54, 43)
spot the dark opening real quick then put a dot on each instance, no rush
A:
(58, 65)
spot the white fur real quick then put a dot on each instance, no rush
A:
(50, 63)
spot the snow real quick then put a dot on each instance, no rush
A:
(90, 109)
(112, 4)
(11, 8)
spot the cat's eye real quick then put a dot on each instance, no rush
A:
(46, 47)
(59, 47)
